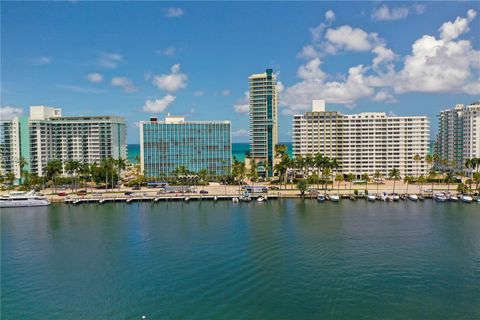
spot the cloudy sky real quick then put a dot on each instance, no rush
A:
(150, 58)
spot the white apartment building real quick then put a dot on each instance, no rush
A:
(46, 135)
(363, 142)
(458, 137)
(10, 147)
(263, 118)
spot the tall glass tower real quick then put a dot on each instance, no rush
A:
(263, 119)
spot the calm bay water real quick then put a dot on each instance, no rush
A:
(285, 259)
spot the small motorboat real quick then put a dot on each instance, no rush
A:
(353, 198)
(186, 199)
(421, 198)
(235, 200)
(395, 197)
(413, 197)
(453, 198)
(478, 199)
(465, 198)
(371, 197)
(321, 197)
(384, 197)
(260, 199)
(334, 198)
(439, 197)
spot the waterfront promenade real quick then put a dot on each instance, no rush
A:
(223, 192)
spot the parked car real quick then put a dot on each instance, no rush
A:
(128, 193)
(203, 192)
(274, 188)
(62, 194)
(82, 193)
(136, 188)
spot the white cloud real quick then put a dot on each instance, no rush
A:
(384, 12)
(280, 87)
(329, 16)
(8, 113)
(240, 133)
(299, 96)
(225, 92)
(173, 81)
(452, 30)
(95, 77)
(242, 105)
(311, 70)
(348, 38)
(109, 60)
(169, 51)
(442, 65)
(308, 52)
(80, 89)
(383, 55)
(158, 105)
(40, 61)
(173, 12)
(384, 96)
(123, 82)
(198, 93)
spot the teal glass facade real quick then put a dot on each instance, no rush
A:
(195, 145)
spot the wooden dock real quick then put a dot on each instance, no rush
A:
(185, 198)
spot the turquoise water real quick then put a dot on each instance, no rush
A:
(238, 150)
(285, 259)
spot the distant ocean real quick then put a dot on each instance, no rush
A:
(238, 150)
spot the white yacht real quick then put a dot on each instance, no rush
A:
(23, 199)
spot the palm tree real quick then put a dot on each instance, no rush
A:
(449, 178)
(202, 175)
(469, 164)
(339, 178)
(72, 166)
(85, 172)
(22, 162)
(476, 180)
(366, 177)
(417, 159)
(407, 180)
(350, 178)
(421, 180)
(239, 171)
(432, 175)
(121, 164)
(395, 175)
(252, 172)
(53, 169)
(333, 164)
(377, 176)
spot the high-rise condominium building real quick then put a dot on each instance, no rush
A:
(363, 142)
(47, 135)
(196, 145)
(263, 118)
(458, 137)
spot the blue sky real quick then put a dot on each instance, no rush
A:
(136, 59)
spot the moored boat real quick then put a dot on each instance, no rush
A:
(453, 198)
(371, 197)
(334, 198)
(23, 199)
(413, 197)
(321, 197)
(465, 198)
(440, 197)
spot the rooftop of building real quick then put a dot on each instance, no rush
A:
(171, 119)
